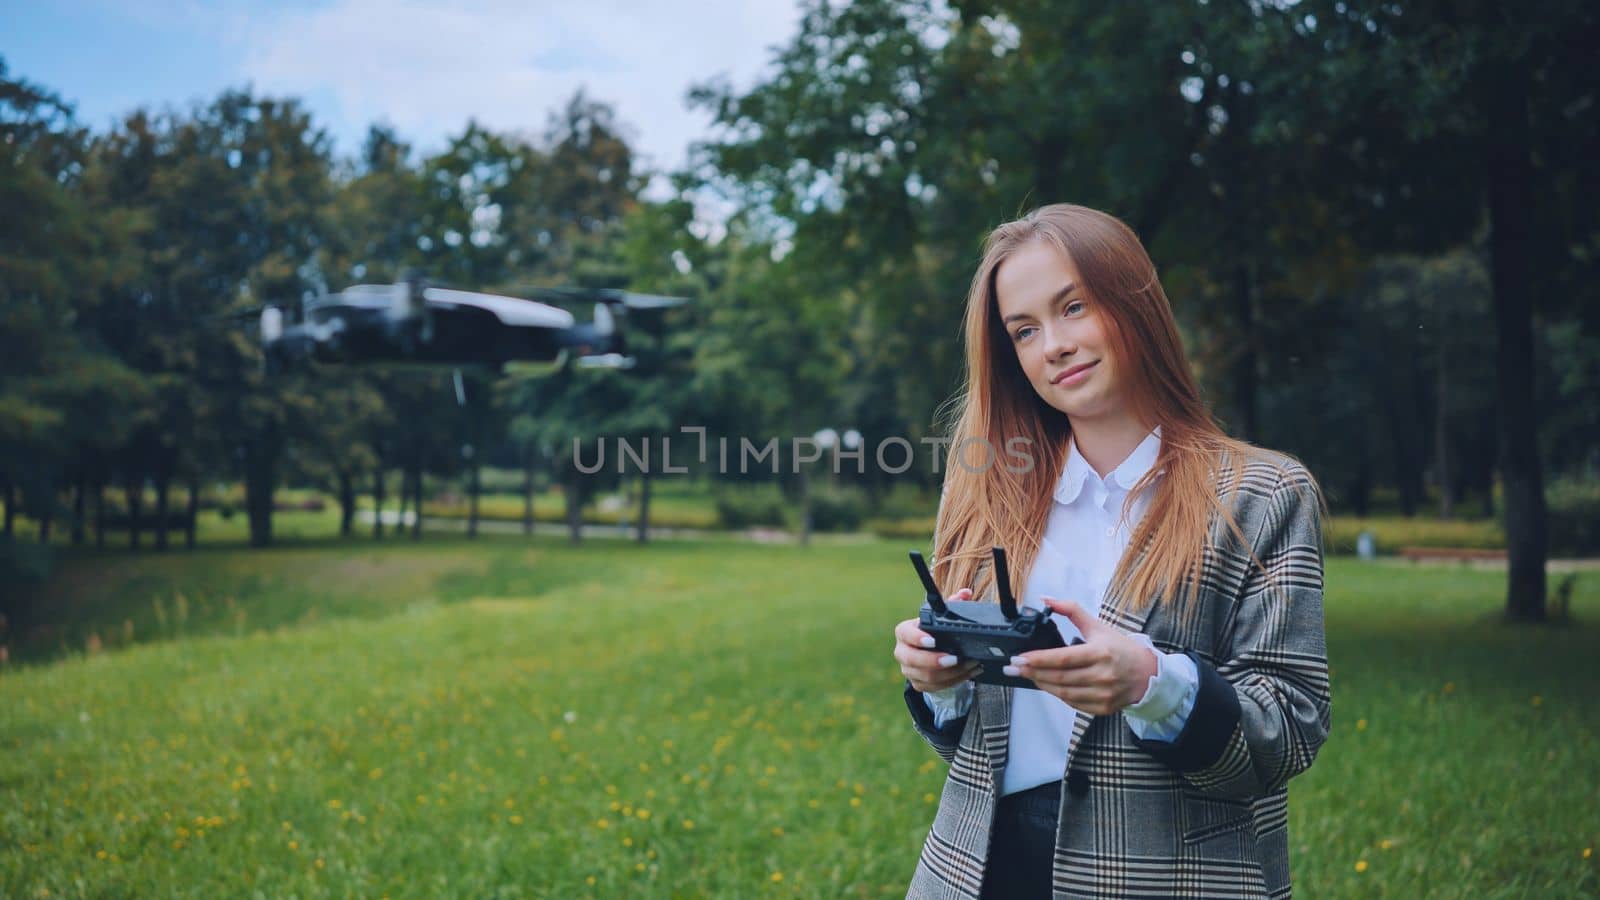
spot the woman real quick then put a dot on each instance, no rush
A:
(1152, 760)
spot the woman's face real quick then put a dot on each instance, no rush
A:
(1057, 333)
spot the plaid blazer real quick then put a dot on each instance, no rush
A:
(1206, 815)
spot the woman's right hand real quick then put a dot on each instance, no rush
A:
(928, 669)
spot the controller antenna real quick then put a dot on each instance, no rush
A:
(1002, 583)
(934, 600)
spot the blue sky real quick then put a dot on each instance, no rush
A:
(424, 68)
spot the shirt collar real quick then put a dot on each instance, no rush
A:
(1078, 470)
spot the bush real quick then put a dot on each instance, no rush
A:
(21, 564)
(1574, 517)
(1339, 533)
(837, 511)
(742, 509)
(550, 509)
(913, 528)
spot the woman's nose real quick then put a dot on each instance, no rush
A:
(1058, 342)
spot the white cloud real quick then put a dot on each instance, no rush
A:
(427, 69)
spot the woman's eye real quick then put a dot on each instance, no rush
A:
(1074, 305)
(1022, 333)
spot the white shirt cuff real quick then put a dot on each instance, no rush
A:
(1169, 695)
(949, 704)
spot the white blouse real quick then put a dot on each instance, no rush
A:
(1083, 541)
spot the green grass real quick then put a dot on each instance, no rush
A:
(495, 718)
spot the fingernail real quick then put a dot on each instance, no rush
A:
(927, 641)
(1011, 670)
(1019, 660)
(947, 660)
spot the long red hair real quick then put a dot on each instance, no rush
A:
(988, 503)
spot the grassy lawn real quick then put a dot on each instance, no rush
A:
(503, 718)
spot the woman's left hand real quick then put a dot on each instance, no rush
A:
(1106, 673)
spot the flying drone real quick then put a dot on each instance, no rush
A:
(412, 324)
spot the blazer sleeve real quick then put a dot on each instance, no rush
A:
(943, 740)
(1264, 708)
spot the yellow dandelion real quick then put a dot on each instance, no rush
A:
(589, 881)
(1537, 700)
(777, 831)
(855, 801)
(927, 798)
(1386, 844)
(334, 804)
(1361, 865)
(516, 820)
(1361, 724)
(638, 867)
(627, 842)
(319, 863)
(688, 824)
(1449, 687)
(294, 845)
(602, 824)
(777, 877)
(1588, 852)
(287, 827)
(643, 813)
(100, 854)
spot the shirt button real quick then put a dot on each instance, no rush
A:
(1111, 532)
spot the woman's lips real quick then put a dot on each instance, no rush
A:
(1073, 376)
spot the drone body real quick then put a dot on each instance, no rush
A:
(409, 324)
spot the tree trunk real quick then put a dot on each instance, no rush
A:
(80, 487)
(347, 502)
(46, 515)
(377, 502)
(527, 495)
(474, 486)
(1244, 366)
(805, 509)
(644, 505)
(416, 503)
(192, 518)
(569, 492)
(1441, 429)
(403, 502)
(99, 511)
(135, 495)
(162, 484)
(1361, 485)
(46, 492)
(259, 484)
(1510, 202)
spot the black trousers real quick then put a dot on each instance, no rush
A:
(1023, 845)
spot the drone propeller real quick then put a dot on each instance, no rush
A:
(627, 299)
